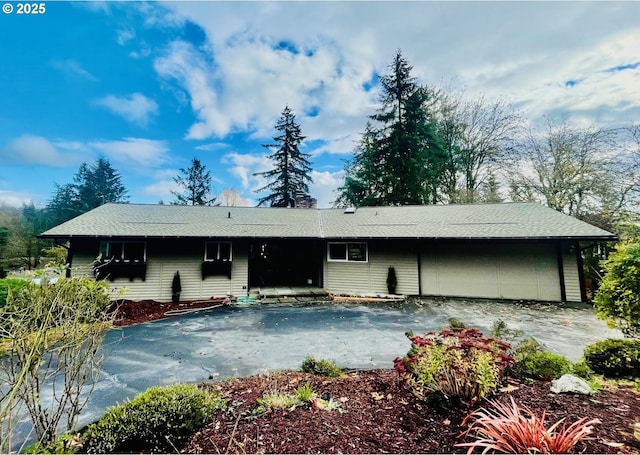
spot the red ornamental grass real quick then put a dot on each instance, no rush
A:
(512, 429)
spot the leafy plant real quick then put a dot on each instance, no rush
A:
(305, 392)
(277, 400)
(581, 368)
(64, 444)
(614, 357)
(321, 367)
(53, 334)
(10, 285)
(157, 421)
(515, 429)
(618, 298)
(459, 364)
(532, 361)
(455, 323)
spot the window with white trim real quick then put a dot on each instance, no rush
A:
(125, 251)
(347, 251)
(217, 251)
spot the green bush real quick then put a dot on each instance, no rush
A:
(321, 367)
(581, 368)
(15, 284)
(532, 361)
(158, 420)
(456, 365)
(618, 298)
(614, 358)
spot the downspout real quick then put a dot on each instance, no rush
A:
(563, 291)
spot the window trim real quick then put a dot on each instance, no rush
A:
(107, 250)
(218, 243)
(346, 259)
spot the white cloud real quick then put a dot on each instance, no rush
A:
(33, 150)
(135, 108)
(15, 198)
(524, 52)
(125, 35)
(214, 147)
(132, 151)
(71, 67)
(243, 166)
(324, 187)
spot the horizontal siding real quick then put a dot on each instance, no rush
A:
(571, 277)
(160, 272)
(371, 276)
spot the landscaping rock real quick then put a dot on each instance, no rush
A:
(569, 383)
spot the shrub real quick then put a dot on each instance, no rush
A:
(158, 420)
(13, 284)
(614, 358)
(618, 298)
(514, 429)
(321, 367)
(532, 361)
(459, 364)
(582, 369)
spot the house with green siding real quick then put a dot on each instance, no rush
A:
(518, 251)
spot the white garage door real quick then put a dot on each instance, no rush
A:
(491, 271)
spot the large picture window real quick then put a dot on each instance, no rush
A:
(121, 259)
(348, 251)
(217, 251)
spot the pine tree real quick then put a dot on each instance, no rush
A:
(401, 162)
(290, 178)
(196, 185)
(92, 186)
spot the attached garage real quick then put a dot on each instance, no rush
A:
(500, 270)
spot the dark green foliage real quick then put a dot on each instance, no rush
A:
(402, 161)
(10, 285)
(456, 366)
(92, 187)
(196, 185)
(500, 330)
(618, 298)
(156, 421)
(582, 369)
(392, 280)
(321, 367)
(456, 323)
(289, 179)
(614, 358)
(532, 361)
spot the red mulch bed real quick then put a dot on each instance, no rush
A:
(129, 312)
(379, 414)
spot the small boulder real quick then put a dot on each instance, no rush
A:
(569, 383)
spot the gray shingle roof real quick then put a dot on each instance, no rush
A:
(502, 221)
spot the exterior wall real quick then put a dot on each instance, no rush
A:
(371, 276)
(499, 270)
(164, 258)
(571, 276)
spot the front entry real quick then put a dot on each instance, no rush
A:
(285, 263)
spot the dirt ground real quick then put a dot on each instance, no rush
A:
(377, 414)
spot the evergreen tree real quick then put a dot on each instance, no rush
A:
(196, 184)
(403, 161)
(290, 178)
(92, 187)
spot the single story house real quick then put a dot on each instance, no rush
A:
(499, 251)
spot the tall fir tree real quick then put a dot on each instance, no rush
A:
(92, 187)
(289, 179)
(402, 161)
(196, 185)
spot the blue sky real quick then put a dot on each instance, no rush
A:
(152, 85)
